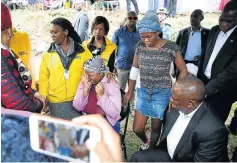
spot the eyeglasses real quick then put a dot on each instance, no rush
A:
(130, 18)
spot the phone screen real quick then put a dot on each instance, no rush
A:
(64, 140)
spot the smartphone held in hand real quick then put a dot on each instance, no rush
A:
(62, 139)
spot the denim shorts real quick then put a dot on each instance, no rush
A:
(155, 105)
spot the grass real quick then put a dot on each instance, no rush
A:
(37, 24)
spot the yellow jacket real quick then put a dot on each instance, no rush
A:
(52, 83)
(110, 48)
(20, 45)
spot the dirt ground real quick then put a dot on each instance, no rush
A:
(37, 24)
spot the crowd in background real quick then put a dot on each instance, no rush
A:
(187, 86)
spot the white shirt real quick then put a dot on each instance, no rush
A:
(220, 41)
(177, 131)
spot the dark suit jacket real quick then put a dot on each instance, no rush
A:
(183, 37)
(221, 89)
(204, 140)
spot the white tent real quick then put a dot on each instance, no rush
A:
(182, 5)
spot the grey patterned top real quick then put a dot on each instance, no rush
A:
(155, 65)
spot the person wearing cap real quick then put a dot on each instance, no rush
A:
(166, 28)
(82, 21)
(153, 59)
(16, 91)
(96, 96)
(192, 40)
(192, 132)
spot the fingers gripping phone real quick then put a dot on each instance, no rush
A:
(62, 139)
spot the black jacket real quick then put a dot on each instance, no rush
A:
(183, 37)
(204, 140)
(221, 89)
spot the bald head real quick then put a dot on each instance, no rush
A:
(191, 87)
(131, 19)
(196, 17)
(187, 94)
(131, 13)
(199, 12)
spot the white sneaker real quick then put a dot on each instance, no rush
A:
(145, 146)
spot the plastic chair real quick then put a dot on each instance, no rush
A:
(124, 114)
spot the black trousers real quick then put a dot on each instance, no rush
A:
(155, 155)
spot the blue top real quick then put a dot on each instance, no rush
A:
(194, 47)
(166, 31)
(81, 25)
(126, 42)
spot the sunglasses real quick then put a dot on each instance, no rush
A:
(130, 18)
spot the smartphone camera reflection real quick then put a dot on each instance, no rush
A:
(63, 140)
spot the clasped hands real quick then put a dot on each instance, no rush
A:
(99, 88)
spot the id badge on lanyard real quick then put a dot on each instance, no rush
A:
(66, 74)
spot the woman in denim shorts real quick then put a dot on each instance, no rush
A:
(153, 57)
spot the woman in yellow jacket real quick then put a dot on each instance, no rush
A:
(99, 44)
(61, 69)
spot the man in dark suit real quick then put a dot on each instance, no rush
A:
(218, 67)
(191, 131)
(192, 40)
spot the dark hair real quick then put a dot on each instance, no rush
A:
(67, 25)
(99, 20)
(230, 6)
(199, 12)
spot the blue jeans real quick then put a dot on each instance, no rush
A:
(171, 6)
(134, 4)
(165, 3)
(155, 107)
(153, 5)
(116, 127)
(65, 151)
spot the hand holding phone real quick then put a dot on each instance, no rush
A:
(62, 139)
(109, 148)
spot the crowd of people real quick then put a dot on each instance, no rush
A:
(185, 87)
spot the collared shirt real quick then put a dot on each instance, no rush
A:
(126, 42)
(194, 47)
(220, 41)
(177, 130)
